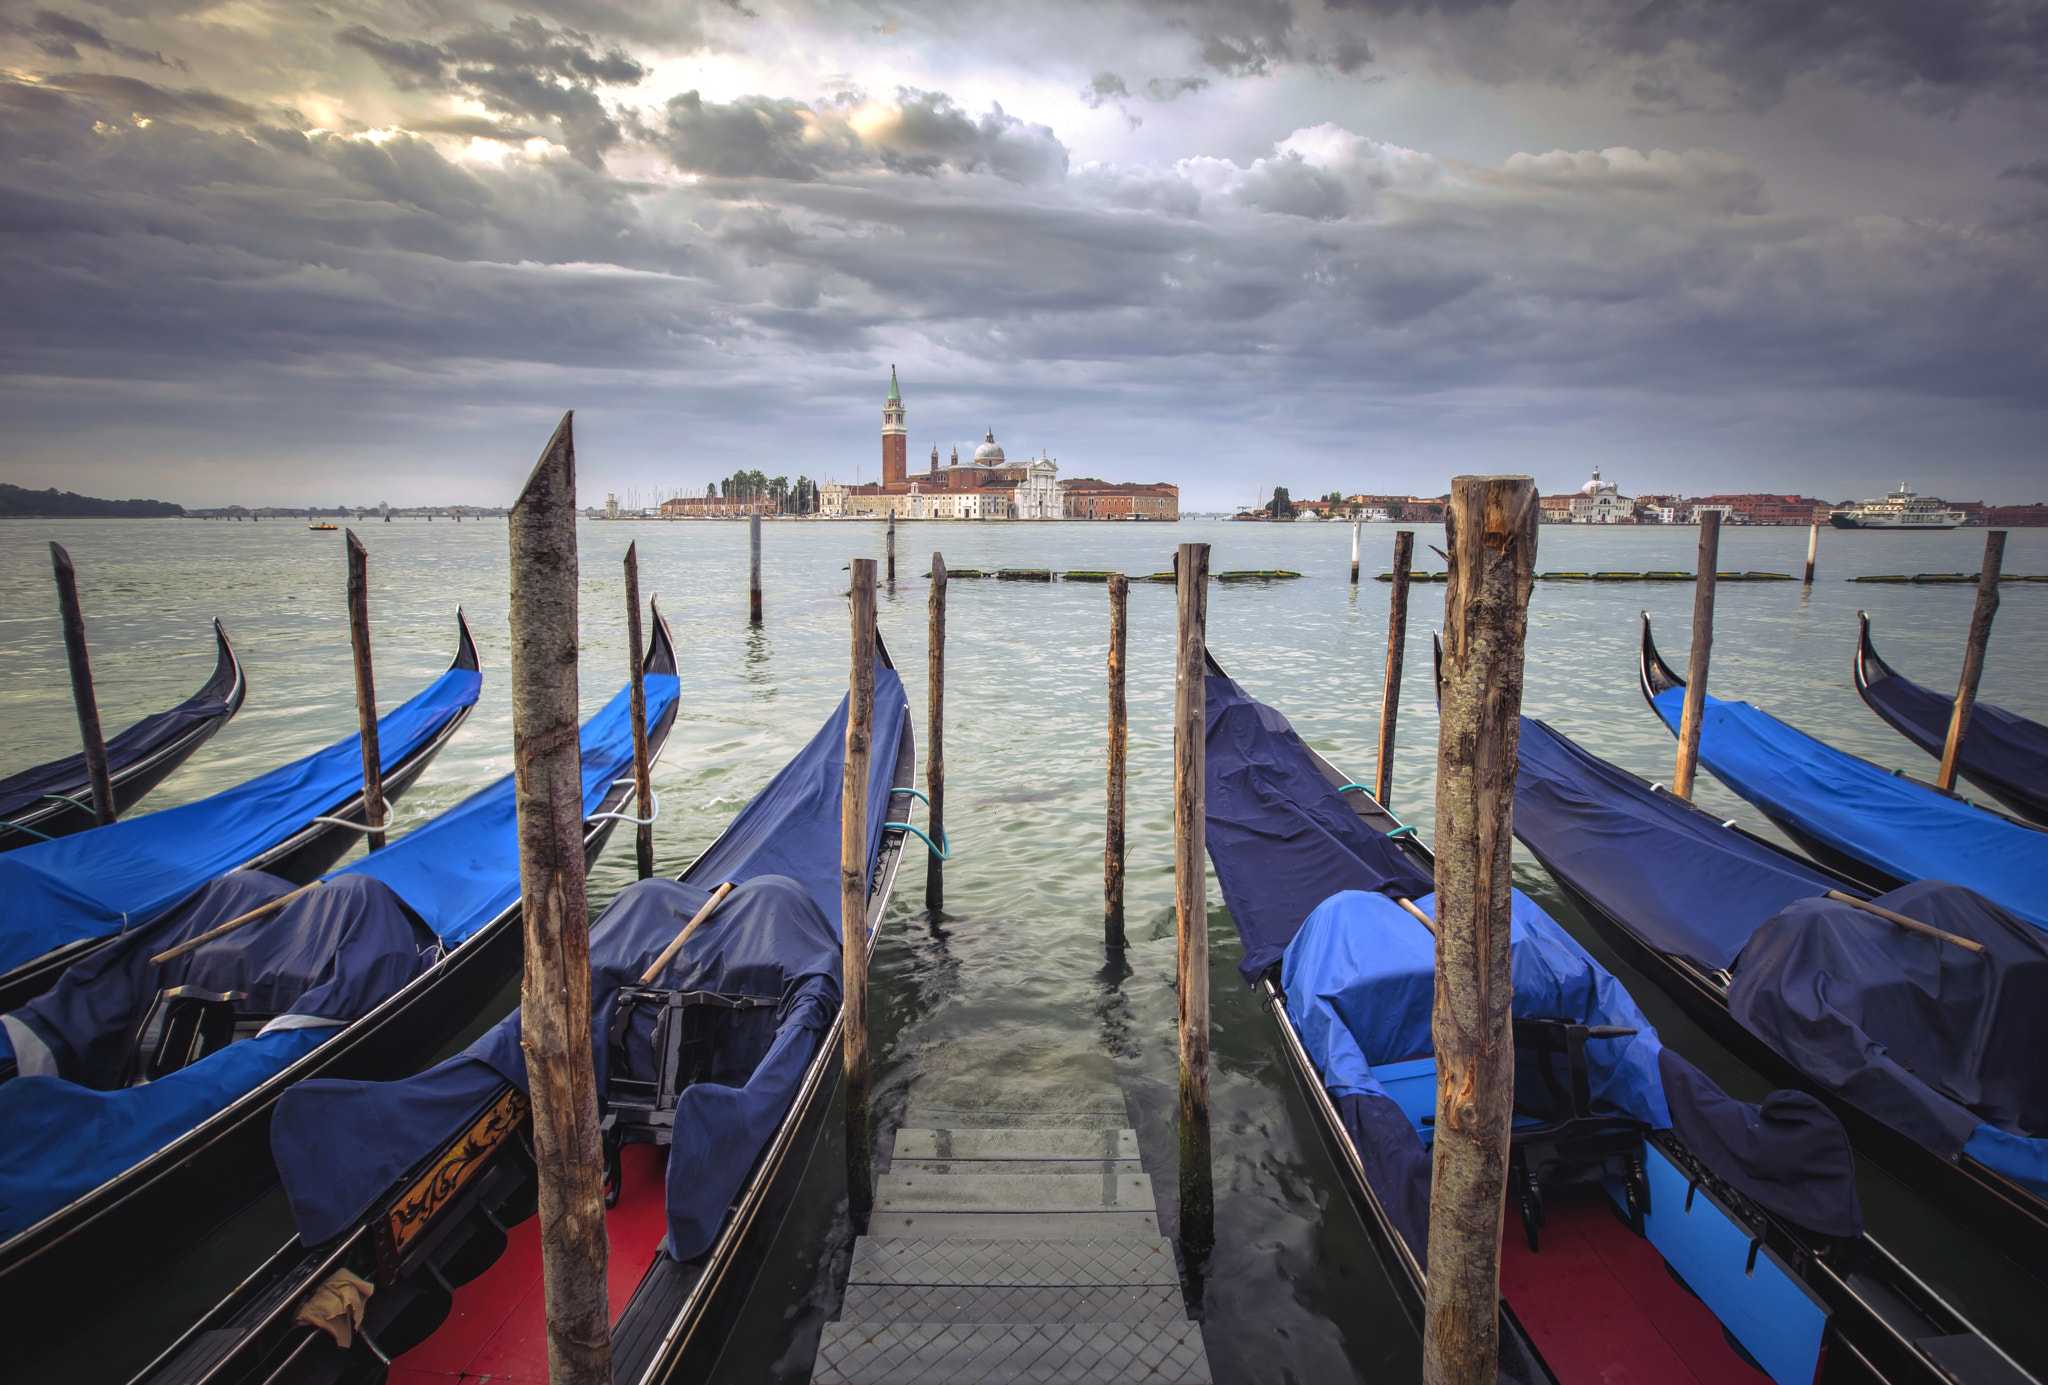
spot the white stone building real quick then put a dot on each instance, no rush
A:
(1601, 502)
(1039, 496)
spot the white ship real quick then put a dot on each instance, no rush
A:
(1900, 509)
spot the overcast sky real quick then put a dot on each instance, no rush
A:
(291, 253)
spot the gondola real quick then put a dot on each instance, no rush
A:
(1876, 826)
(1677, 1255)
(2004, 755)
(438, 1226)
(61, 901)
(1685, 925)
(454, 880)
(55, 799)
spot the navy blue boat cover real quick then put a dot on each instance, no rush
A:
(1884, 820)
(342, 1146)
(126, 874)
(1268, 806)
(1833, 990)
(67, 1126)
(2004, 754)
(443, 881)
(143, 739)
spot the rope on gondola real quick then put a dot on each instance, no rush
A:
(944, 853)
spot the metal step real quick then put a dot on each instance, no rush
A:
(1036, 1142)
(1157, 1353)
(890, 1260)
(1017, 1226)
(994, 1303)
(956, 1118)
(999, 1192)
(1093, 1168)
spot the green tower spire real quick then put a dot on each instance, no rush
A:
(895, 395)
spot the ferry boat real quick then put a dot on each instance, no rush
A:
(1900, 509)
(323, 528)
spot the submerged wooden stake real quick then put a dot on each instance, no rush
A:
(81, 687)
(555, 998)
(1397, 649)
(1697, 658)
(1191, 899)
(1812, 551)
(935, 758)
(1490, 531)
(366, 688)
(1119, 750)
(643, 779)
(853, 887)
(1973, 658)
(754, 565)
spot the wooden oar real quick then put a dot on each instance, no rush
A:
(1902, 921)
(192, 944)
(668, 953)
(1424, 919)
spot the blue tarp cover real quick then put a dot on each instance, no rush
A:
(2004, 754)
(341, 1146)
(325, 959)
(1883, 820)
(1683, 883)
(461, 870)
(1282, 837)
(1934, 1040)
(121, 876)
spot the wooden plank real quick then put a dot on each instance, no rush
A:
(995, 1192)
(1017, 1226)
(1040, 1143)
(943, 1118)
(964, 1261)
(1095, 1168)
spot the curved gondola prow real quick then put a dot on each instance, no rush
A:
(1654, 676)
(230, 682)
(661, 644)
(465, 646)
(1869, 668)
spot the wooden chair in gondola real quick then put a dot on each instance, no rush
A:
(1559, 1140)
(660, 1044)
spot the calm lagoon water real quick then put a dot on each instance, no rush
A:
(1011, 985)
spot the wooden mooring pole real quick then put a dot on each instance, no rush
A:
(1697, 658)
(935, 758)
(1119, 750)
(555, 997)
(1191, 899)
(1356, 525)
(753, 566)
(1397, 649)
(892, 550)
(1490, 532)
(366, 688)
(81, 686)
(643, 778)
(1812, 551)
(1973, 657)
(853, 889)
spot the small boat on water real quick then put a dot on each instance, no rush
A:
(63, 899)
(1900, 509)
(2003, 754)
(324, 528)
(714, 1074)
(1928, 1051)
(55, 799)
(1873, 824)
(361, 978)
(1665, 1231)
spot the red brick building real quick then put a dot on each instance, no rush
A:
(1087, 498)
(2016, 516)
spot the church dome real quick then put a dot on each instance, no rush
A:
(1596, 485)
(990, 453)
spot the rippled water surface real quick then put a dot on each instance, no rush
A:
(1011, 986)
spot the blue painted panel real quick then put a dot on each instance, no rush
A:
(1412, 1085)
(1769, 1310)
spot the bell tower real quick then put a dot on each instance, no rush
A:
(895, 440)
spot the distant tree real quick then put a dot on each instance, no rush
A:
(711, 491)
(1393, 509)
(1281, 506)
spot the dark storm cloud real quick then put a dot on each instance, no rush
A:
(60, 36)
(1102, 87)
(132, 95)
(525, 69)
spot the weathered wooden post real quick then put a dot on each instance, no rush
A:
(1696, 662)
(1490, 531)
(555, 998)
(1973, 657)
(643, 778)
(366, 688)
(935, 758)
(1397, 649)
(1119, 750)
(81, 686)
(1812, 551)
(1191, 899)
(754, 566)
(892, 550)
(1356, 525)
(853, 888)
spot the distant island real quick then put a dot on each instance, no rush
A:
(53, 503)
